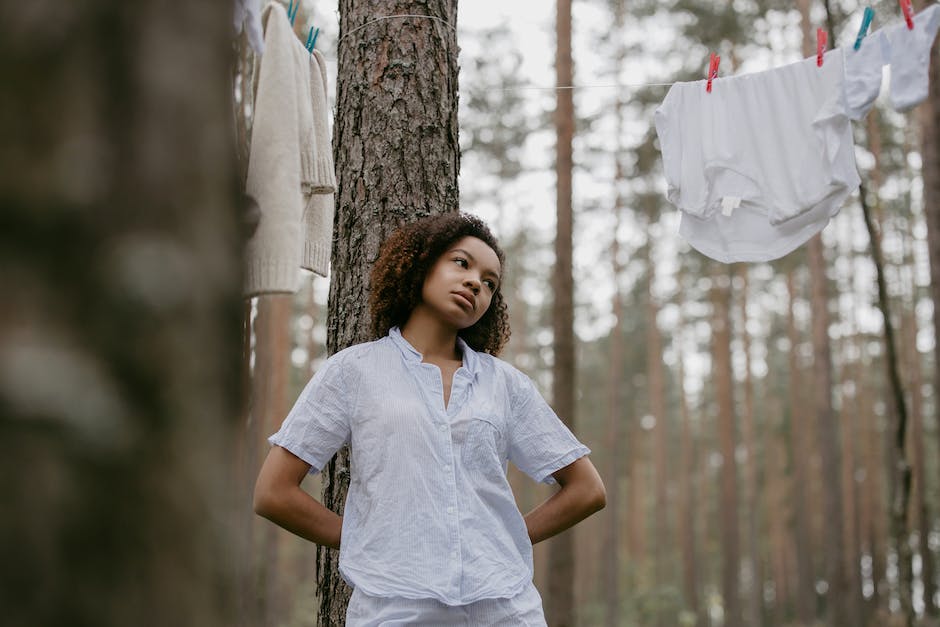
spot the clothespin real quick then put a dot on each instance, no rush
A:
(863, 31)
(908, 14)
(292, 11)
(713, 62)
(821, 37)
(311, 39)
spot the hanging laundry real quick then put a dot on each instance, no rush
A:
(909, 57)
(290, 166)
(863, 73)
(248, 17)
(760, 165)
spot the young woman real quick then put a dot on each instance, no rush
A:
(431, 534)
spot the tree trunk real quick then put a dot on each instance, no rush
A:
(805, 592)
(723, 378)
(929, 117)
(559, 607)
(269, 406)
(687, 501)
(900, 469)
(753, 611)
(120, 352)
(397, 157)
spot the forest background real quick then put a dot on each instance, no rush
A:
(770, 446)
(662, 332)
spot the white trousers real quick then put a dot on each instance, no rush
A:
(522, 610)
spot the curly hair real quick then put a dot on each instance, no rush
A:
(404, 261)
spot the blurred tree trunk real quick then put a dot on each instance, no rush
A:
(662, 574)
(839, 592)
(727, 434)
(900, 470)
(915, 383)
(755, 589)
(850, 423)
(397, 157)
(687, 501)
(929, 119)
(827, 432)
(610, 555)
(805, 592)
(120, 381)
(779, 508)
(269, 407)
(559, 606)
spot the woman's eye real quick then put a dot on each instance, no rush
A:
(461, 262)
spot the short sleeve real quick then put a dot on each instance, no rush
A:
(539, 442)
(318, 424)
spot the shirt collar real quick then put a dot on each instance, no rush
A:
(471, 361)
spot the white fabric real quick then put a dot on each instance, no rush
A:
(429, 513)
(248, 17)
(780, 141)
(290, 158)
(522, 610)
(909, 52)
(864, 69)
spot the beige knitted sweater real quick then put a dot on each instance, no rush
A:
(290, 164)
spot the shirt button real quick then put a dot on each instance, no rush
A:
(450, 510)
(443, 427)
(447, 468)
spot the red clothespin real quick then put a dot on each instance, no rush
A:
(713, 62)
(908, 14)
(821, 37)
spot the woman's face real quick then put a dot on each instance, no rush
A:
(462, 282)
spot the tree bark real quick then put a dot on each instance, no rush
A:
(559, 607)
(397, 158)
(120, 379)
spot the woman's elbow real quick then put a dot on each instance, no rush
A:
(264, 501)
(598, 497)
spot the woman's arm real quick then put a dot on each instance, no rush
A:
(582, 493)
(280, 499)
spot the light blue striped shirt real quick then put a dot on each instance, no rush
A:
(429, 513)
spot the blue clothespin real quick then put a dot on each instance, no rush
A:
(863, 31)
(292, 10)
(312, 39)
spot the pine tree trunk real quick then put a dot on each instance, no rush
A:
(397, 158)
(559, 606)
(805, 592)
(929, 116)
(753, 612)
(687, 509)
(120, 357)
(611, 556)
(269, 406)
(727, 434)
(657, 404)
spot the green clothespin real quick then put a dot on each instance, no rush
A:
(863, 31)
(312, 39)
(292, 11)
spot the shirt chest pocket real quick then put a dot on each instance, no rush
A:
(485, 443)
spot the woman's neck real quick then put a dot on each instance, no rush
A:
(430, 338)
